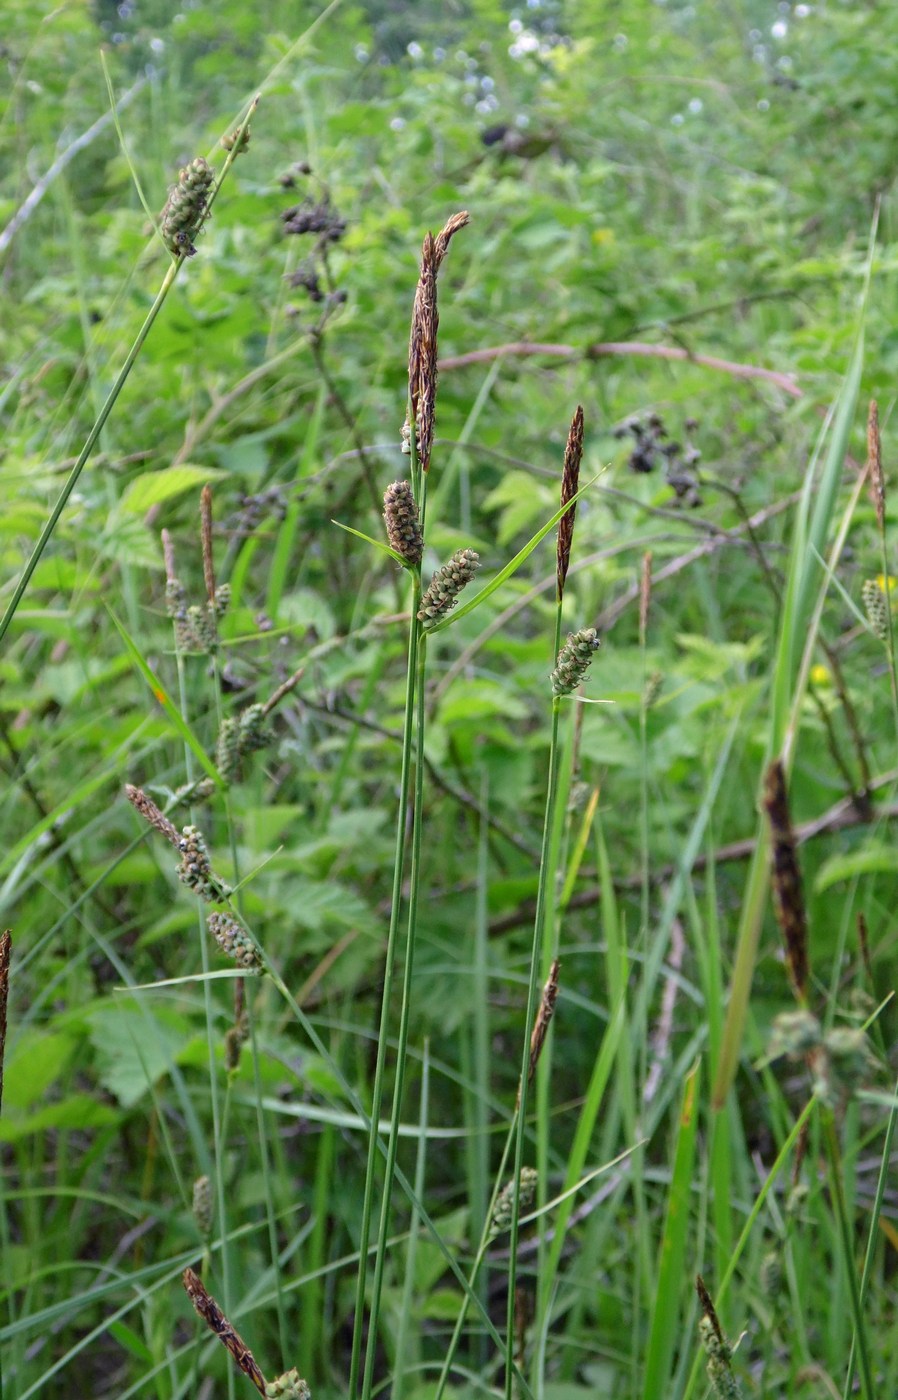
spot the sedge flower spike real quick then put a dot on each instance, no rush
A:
(447, 583)
(573, 660)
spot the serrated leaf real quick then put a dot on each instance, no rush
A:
(135, 1048)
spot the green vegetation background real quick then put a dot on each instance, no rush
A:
(697, 179)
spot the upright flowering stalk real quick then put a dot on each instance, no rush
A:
(404, 514)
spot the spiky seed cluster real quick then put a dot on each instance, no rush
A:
(186, 207)
(234, 1041)
(446, 584)
(504, 1207)
(195, 870)
(570, 480)
(234, 940)
(289, 1386)
(403, 523)
(239, 735)
(238, 138)
(874, 466)
(422, 348)
(150, 813)
(202, 1206)
(573, 660)
(787, 891)
(876, 607)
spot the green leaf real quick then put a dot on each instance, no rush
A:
(135, 1048)
(869, 860)
(153, 488)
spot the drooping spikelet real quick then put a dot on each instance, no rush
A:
(543, 1020)
(216, 1321)
(195, 871)
(504, 1207)
(570, 480)
(422, 350)
(787, 891)
(446, 584)
(876, 607)
(150, 813)
(234, 940)
(186, 207)
(573, 660)
(403, 524)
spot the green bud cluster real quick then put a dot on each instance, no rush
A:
(573, 660)
(186, 207)
(194, 869)
(502, 1211)
(447, 583)
(202, 1206)
(234, 940)
(239, 735)
(876, 607)
(720, 1371)
(289, 1386)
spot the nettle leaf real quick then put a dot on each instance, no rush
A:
(135, 1047)
(153, 488)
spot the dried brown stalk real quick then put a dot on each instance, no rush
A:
(874, 466)
(787, 891)
(5, 954)
(570, 479)
(206, 537)
(215, 1319)
(422, 348)
(151, 813)
(645, 594)
(541, 1024)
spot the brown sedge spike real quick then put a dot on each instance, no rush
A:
(543, 1020)
(5, 955)
(874, 466)
(216, 1321)
(787, 892)
(422, 348)
(570, 480)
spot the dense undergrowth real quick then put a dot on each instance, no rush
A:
(682, 219)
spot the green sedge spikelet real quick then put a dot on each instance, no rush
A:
(202, 1206)
(234, 940)
(446, 584)
(186, 207)
(289, 1386)
(573, 660)
(876, 607)
(502, 1210)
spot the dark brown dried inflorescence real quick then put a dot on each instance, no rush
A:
(570, 480)
(573, 660)
(215, 1319)
(150, 813)
(403, 522)
(186, 207)
(5, 955)
(874, 466)
(543, 1020)
(787, 891)
(442, 592)
(422, 348)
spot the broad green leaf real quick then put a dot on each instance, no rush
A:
(154, 488)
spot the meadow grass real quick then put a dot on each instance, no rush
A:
(379, 1144)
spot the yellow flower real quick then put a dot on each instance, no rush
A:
(820, 675)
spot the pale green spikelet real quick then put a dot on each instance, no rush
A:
(202, 1206)
(502, 1211)
(876, 607)
(573, 660)
(794, 1033)
(227, 751)
(447, 583)
(254, 731)
(202, 623)
(844, 1064)
(403, 523)
(234, 940)
(720, 1371)
(186, 207)
(222, 600)
(771, 1274)
(289, 1386)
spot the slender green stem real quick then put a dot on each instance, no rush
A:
(539, 918)
(386, 996)
(404, 1018)
(837, 1195)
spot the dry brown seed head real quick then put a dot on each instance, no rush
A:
(570, 479)
(151, 813)
(787, 891)
(874, 465)
(216, 1321)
